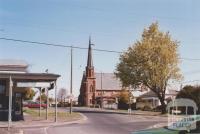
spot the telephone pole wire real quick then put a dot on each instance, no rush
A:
(71, 80)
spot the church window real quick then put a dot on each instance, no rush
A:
(91, 88)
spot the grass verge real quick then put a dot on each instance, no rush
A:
(61, 115)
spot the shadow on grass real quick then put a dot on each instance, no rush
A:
(101, 112)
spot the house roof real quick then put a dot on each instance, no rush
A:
(148, 94)
(171, 92)
(11, 65)
(152, 94)
(13, 62)
(109, 81)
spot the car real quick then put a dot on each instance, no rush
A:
(32, 104)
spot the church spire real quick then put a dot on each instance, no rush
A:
(90, 67)
(89, 60)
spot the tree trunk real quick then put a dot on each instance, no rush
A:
(161, 97)
(163, 105)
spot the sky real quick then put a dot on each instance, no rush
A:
(112, 24)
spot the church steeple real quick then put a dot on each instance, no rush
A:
(89, 60)
(88, 84)
(90, 67)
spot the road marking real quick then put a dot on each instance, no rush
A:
(45, 130)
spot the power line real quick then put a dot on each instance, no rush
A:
(190, 81)
(190, 59)
(68, 46)
(56, 45)
(192, 72)
(183, 82)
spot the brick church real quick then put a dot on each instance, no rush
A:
(99, 89)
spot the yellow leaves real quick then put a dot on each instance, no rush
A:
(153, 59)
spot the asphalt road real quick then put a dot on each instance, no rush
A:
(101, 122)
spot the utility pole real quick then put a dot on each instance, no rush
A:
(71, 80)
(129, 109)
(47, 94)
(181, 86)
(101, 92)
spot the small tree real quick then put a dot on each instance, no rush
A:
(124, 96)
(124, 99)
(152, 61)
(51, 100)
(191, 92)
(43, 98)
(29, 94)
(62, 94)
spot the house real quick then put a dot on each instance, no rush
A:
(150, 99)
(14, 80)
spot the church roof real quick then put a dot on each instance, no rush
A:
(109, 81)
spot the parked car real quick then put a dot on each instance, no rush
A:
(32, 104)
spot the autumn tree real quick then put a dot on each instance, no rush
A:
(29, 94)
(152, 61)
(124, 99)
(124, 96)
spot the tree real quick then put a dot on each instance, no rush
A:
(43, 98)
(51, 100)
(151, 61)
(29, 94)
(124, 96)
(124, 99)
(191, 92)
(62, 94)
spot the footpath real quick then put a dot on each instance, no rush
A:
(39, 122)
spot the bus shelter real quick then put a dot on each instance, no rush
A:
(13, 86)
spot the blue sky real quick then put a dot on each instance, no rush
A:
(113, 25)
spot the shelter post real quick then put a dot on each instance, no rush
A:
(47, 107)
(55, 101)
(40, 90)
(10, 103)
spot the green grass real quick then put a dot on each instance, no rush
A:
(51, 114)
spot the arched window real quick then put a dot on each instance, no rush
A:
(91, 88)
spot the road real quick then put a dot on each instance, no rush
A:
(101, 122)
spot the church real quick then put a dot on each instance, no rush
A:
(98, 89)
